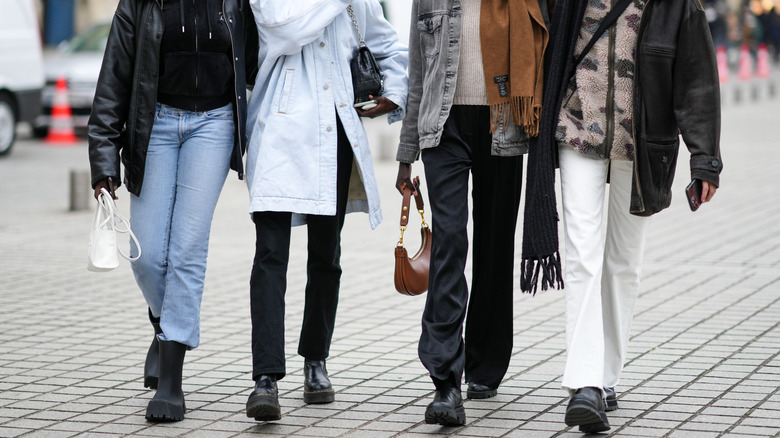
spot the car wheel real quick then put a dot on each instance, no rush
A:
(7, 124)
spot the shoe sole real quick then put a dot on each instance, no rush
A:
(588, 418)
(446, 417)
(319, 397)
(479, 395)
(162, 411)
(261, 410)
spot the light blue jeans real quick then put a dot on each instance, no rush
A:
(186, 165)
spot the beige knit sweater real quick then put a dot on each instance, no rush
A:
(470, 86)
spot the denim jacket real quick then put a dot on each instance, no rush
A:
(303, 82)
(434, 55)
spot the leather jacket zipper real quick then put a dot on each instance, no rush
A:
(610, 104)
(237, 114)
(636, 112)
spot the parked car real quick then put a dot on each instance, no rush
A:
(78, 61)
(21, 68)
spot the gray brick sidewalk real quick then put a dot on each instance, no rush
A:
(703, 360)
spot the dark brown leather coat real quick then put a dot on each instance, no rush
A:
(676, 91)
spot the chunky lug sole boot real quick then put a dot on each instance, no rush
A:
(446, 408)
(586, 410)
(152, 364)
(317, 388)
(168, 403)
(263, 402)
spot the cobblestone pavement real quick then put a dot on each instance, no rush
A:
(703, 359)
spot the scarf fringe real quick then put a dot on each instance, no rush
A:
(549, 267)
(521, 110)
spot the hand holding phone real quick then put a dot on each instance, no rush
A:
(693, 194)
(366, 105)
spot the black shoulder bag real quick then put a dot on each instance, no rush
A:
(366, 76)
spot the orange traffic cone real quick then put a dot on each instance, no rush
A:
(723, 64)
(762, 62)
(745, 72)
(61, 125)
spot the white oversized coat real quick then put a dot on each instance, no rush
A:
(304, 79)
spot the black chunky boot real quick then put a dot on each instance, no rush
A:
(316, 385)
(168, 403)
(152, 365)
(263, 402)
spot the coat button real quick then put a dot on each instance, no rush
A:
(715, 163)
(322, 44)
(355, 145)
(329, 128)
(325, 87)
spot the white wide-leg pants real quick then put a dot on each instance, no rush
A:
(601, 275)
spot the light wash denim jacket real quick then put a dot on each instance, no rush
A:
(434, 56)
(304, 80)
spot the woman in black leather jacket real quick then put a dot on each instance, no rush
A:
(171, 98)
(617, 119)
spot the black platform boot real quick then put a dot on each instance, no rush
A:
(152, 365)
(263, 402)
(316, 385)
(168, 403)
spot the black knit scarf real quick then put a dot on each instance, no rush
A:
(541, 257)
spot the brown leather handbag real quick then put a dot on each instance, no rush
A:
(411, 273)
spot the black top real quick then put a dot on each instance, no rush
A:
(196, 72)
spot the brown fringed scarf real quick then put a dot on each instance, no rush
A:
(513, 39)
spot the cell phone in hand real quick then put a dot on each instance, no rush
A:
(693, 194)
(367, 105)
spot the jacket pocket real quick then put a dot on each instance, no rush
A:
(661, 159)
(285, 97)
(429, 26)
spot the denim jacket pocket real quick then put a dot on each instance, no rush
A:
(285, 96)
(429, 26)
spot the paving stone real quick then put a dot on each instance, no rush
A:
(702, 361)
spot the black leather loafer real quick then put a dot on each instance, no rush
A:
(316, 385)
(610, 401)
(263, 402)
(586, 410)
(477, 391)
(446, 408)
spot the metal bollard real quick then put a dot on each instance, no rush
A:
(81, 193)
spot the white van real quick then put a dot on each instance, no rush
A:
(21, 68)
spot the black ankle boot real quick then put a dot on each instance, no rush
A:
(168, 403)
(316, 385)
(263, 402)
(586, 409)
(152, 365)
(446, 409)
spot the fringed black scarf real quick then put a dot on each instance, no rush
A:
(541, 257)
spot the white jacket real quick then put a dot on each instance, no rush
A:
(304, 79)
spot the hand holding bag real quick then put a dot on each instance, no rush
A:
(411, 274)
(366, 76)
(103, 254)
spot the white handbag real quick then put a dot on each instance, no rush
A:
(103, 248)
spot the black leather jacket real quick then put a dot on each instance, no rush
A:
(126, 96)
(676, 91)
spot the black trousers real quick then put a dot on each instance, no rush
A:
(268, 282)
(496, 188)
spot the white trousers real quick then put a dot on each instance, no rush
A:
(601, 275)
